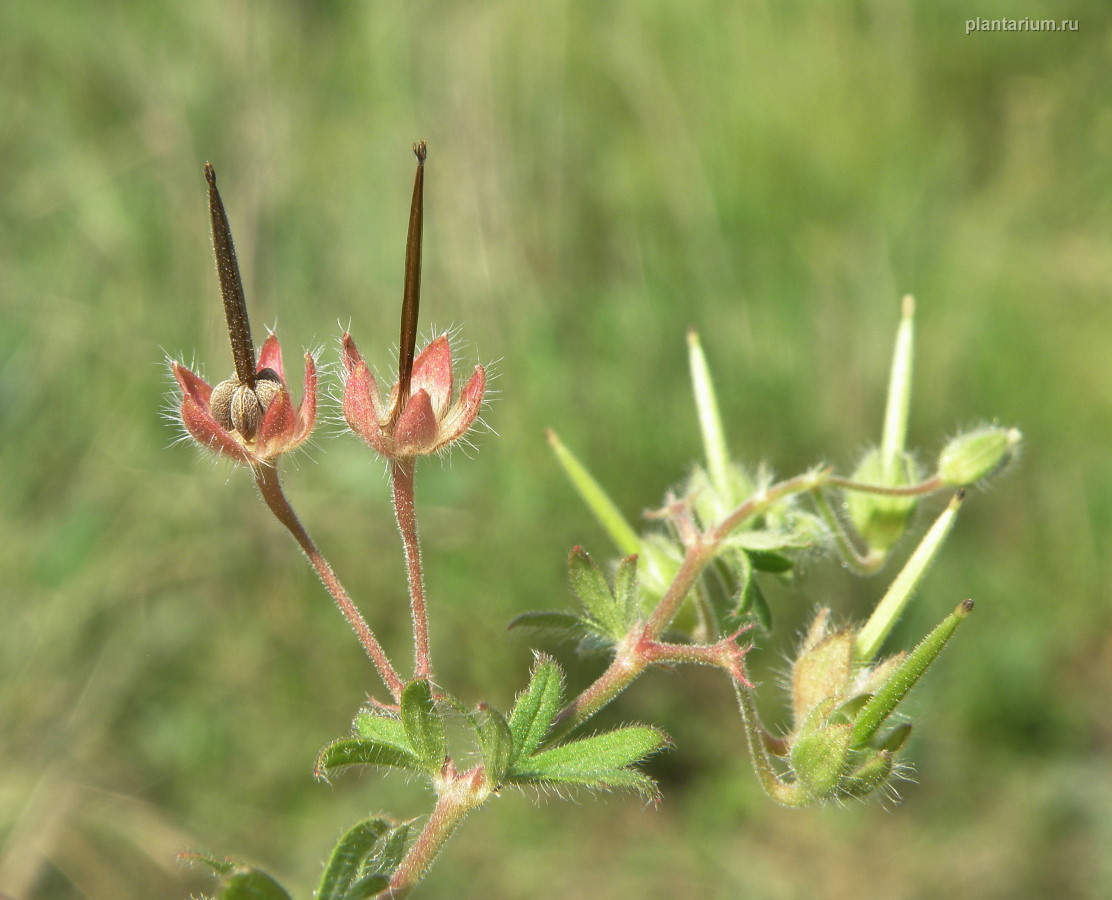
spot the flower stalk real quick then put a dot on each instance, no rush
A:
(266, 479)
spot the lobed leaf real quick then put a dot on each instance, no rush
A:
(496, 742)
(382, 729)
(423, 726)
(627, 592)
(363, 752)
(252, 884)
(590, 586)
(393, 847)
(592, 756)
(348, 858)
(536, 707)
(548, 621)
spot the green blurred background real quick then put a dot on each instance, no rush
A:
(601, 176)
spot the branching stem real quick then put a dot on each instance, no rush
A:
(266, 479)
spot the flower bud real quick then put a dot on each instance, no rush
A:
(881, 520)
(978, 454)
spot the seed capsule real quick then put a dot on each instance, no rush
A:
(237, 407)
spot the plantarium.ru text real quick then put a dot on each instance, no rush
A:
(686, 590)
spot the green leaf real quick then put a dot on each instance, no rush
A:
(393, 847)
(603, 508)
(589, 585)
(423, 726)
(759, 606)
(348, 857)
(867, 777)
(818, 758)
(549, 621)
(768, 561)
(383, 729)
(597, 753)
(605, 780)
(536, 707)
(598, 761)
(369, 886)
(496, 742)
(905, 676)
(627, 592)
(362, 752)
(251, 884)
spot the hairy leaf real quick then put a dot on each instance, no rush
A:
(423, 726)
(363, 752)
(348, 857)
(593, 757)
(548, 621)
(496, 742)
(594, 593)
(252, 884)
(382, 729)
(536, 707)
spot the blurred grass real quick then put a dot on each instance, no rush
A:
(601, 177)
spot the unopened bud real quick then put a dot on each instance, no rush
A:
(880, 519)
(978, 454)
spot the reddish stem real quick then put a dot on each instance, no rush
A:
(406, 512)
(266, 478)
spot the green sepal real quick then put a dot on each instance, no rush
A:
(905, 676)
(363, 752)
(383, 729)
(563, 622)
(496, 742)
(894, 741)
(423, 726)
(818, 758)
(536, 707)
(600, 761)
(251, 884)
(349, 857)
(589, 585)
(867, 777)
(881, 519)
(822, 672)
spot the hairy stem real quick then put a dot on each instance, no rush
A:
(759, 744)
(266, 478)
(457, 795)
(406, 512)
(861, 563)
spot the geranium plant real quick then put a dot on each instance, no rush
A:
(686, 590)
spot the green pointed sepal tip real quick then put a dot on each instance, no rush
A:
(905, 676)
(598, 502)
